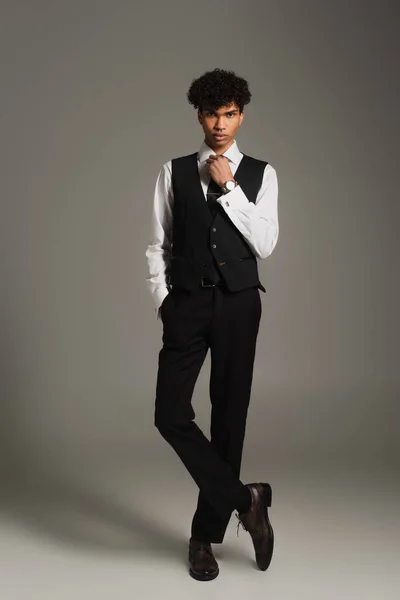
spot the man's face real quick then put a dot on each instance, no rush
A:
(220, 125)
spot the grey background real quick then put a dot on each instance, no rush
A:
(92, 103)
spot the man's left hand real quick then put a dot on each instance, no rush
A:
(219, 169)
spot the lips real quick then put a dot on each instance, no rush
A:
(219, 137)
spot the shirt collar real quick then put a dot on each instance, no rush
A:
(233, 153)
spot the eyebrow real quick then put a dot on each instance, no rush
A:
(233, 110)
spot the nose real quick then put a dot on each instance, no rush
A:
(219, 125)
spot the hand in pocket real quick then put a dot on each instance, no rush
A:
(163, 304)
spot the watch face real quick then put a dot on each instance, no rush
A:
(230, 185)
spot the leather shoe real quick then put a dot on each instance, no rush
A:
(256, 522)
(203, 565)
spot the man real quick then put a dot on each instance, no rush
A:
(214, 214)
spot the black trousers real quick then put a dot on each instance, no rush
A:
(227, 323)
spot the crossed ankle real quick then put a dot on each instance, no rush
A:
(245, 501)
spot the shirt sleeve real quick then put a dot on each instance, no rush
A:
(257, 222)
(158, 252)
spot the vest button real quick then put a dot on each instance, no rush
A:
(214, 245)
(203, 264)
(214, 229)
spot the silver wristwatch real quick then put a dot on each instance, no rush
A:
(228, 186)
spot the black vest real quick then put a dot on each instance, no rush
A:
(207, 246)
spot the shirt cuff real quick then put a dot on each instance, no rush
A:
(159, 295)
(235, 199)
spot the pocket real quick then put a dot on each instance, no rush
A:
(258, 298)
(164, 302)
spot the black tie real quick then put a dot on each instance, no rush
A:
(213, 192)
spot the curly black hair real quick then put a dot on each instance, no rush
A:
(218, 88)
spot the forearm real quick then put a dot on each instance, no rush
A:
(158, 260)
(158, 252)
(257, 222)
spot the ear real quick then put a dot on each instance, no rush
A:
(241, 117)
(200, 117)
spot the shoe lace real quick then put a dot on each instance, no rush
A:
(240, 522)
(203, 546)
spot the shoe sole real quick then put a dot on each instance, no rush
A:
(267, 495)
(203, 578)
(267, 501)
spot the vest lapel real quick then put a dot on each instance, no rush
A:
(240, 173)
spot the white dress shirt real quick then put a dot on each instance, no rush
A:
(257, 222)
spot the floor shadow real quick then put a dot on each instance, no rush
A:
(73, 515)
(53, 504)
